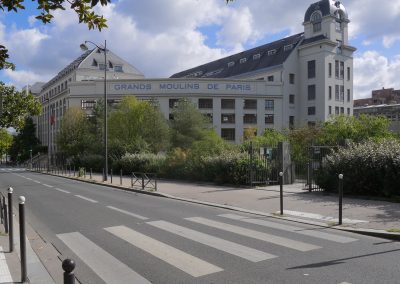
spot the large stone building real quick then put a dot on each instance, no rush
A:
(298, 80)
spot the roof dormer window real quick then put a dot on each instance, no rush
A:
(118, 68)
(256, 56)
(243, 60)
(316, 19)
(271, 52)
(288, 47)
(231, 64)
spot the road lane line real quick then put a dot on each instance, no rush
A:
(61, 190)
(190, 264)
(289, 228)
(297, 245)
(86, 198)
(214, 242)
(36, 181)
(128, 213)
(106, 266)
(46, 185)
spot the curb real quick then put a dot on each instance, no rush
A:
(368, 232)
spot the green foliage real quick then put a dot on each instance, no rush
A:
(89, 161)
(142, 162)
(83, 8)
(369, 168)
(189, 125)
(24, 142)
(6, 140)
(270, 137)
(300, 139)
(15, 107)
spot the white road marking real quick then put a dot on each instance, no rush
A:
(61, 190)
(214, 242)
(289, 228)
(46, 185)
(86, 198)
(36, 181)
(181, 260)
(297, 245)
(106, 266)
(128, 213)
(5, 275)
(321, 217)
(28, 178)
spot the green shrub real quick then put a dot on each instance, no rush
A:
(141, 162)
(370, 168)
(89, 161)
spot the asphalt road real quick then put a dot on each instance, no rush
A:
(122, 237)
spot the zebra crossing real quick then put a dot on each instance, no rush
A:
(176, 257)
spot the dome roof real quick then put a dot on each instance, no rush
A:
(326, 7)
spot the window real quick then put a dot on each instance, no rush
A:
(269, 119)
(228, 104)
(209, 117)
(330, 110)
(330, 92)
(348, 73)
(337, 69)
(118, 68)
(228, 118)
(102, 66)
(231, 64)
(311, 111)
(291, 78)
(311, 69)
(291, 122)
(337, 98)
(242, 60)
(348, 95)
(269, 104)
(250, 104)
(205, 103)
(330, 70)
(311, 124)
(85, 104)
(271, 52)
(173, 103)
(311, 92)
(339, 47)
(316, 19)
(348, 111)
(270, 78)
(341, 69)
(288, 47)
(256, 56)
(336, 110)
(291, 99)
(342, 93)
(228, 134)
(317, 27)
(250, 118)
(342, 110)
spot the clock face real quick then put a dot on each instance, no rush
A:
(337, 4)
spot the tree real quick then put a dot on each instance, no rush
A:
(6, 140)
(15, 107)
(24, 142)
(188, 124)
(83, 8)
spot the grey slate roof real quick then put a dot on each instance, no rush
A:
(220, 69)
(313, 39)
(324, 6)
(70, 67)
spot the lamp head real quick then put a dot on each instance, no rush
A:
(83, 47)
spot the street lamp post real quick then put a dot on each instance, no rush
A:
(48, 134)
(84, 47)
(30, 153)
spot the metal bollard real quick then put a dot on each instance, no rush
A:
(5, 215)
(281, 190)
(132, 180)
(120, 177)
(309, 177)
(340, 198)
(10, 221)
(1, 211)
(74, 170)
(22, 239)
(68, 266)
(111, 175)
(90, 173)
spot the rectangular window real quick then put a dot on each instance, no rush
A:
(311, 111)
(205, 103)
(311, 92)
(102, 66)
(250, 118)
(348, 74)
(86, 104)
(291, 78)
(348, 95)
(228, 104)
(348, 111)
(342, 110)
(270, 78)
(330, 110)
(231, 64)
(209, 117)
(269, 119)
(250, 104)
(311, 124)
(338, 26)
(316, 27)
(228, 118)
(269, 104)
(242, 60)
(336, 110)
(311, 69)
(173, 103)
(337, 96)
(342, 93)
(341, 70)
(118, 68)
(330, 70)
(291, 99)
(256, 56)
(337, 69)
(228, 134)
(330, 92)
(288, 47)
(271, 52)
(291, 122)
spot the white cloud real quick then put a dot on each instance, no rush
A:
(23, 78)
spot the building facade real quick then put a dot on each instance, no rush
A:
(296, 81)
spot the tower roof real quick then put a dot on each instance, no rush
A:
(326, 7)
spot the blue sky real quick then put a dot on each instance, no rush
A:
(161, 37)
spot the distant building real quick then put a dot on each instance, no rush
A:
(380, 97)
(292, 82)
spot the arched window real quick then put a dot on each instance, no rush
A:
(316, 19)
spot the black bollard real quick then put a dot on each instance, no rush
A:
(10, 221)
(281, 190)
(1, 211)
(5, 215)
(120, 177)
(111, 175)
(340, 198)
(68, 265)
(132, 180)
(22, 239)
(90, 173)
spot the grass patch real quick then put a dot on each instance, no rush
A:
(393, 230)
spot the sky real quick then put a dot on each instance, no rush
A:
(162, 37)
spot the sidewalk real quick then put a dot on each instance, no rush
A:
(300, 205)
